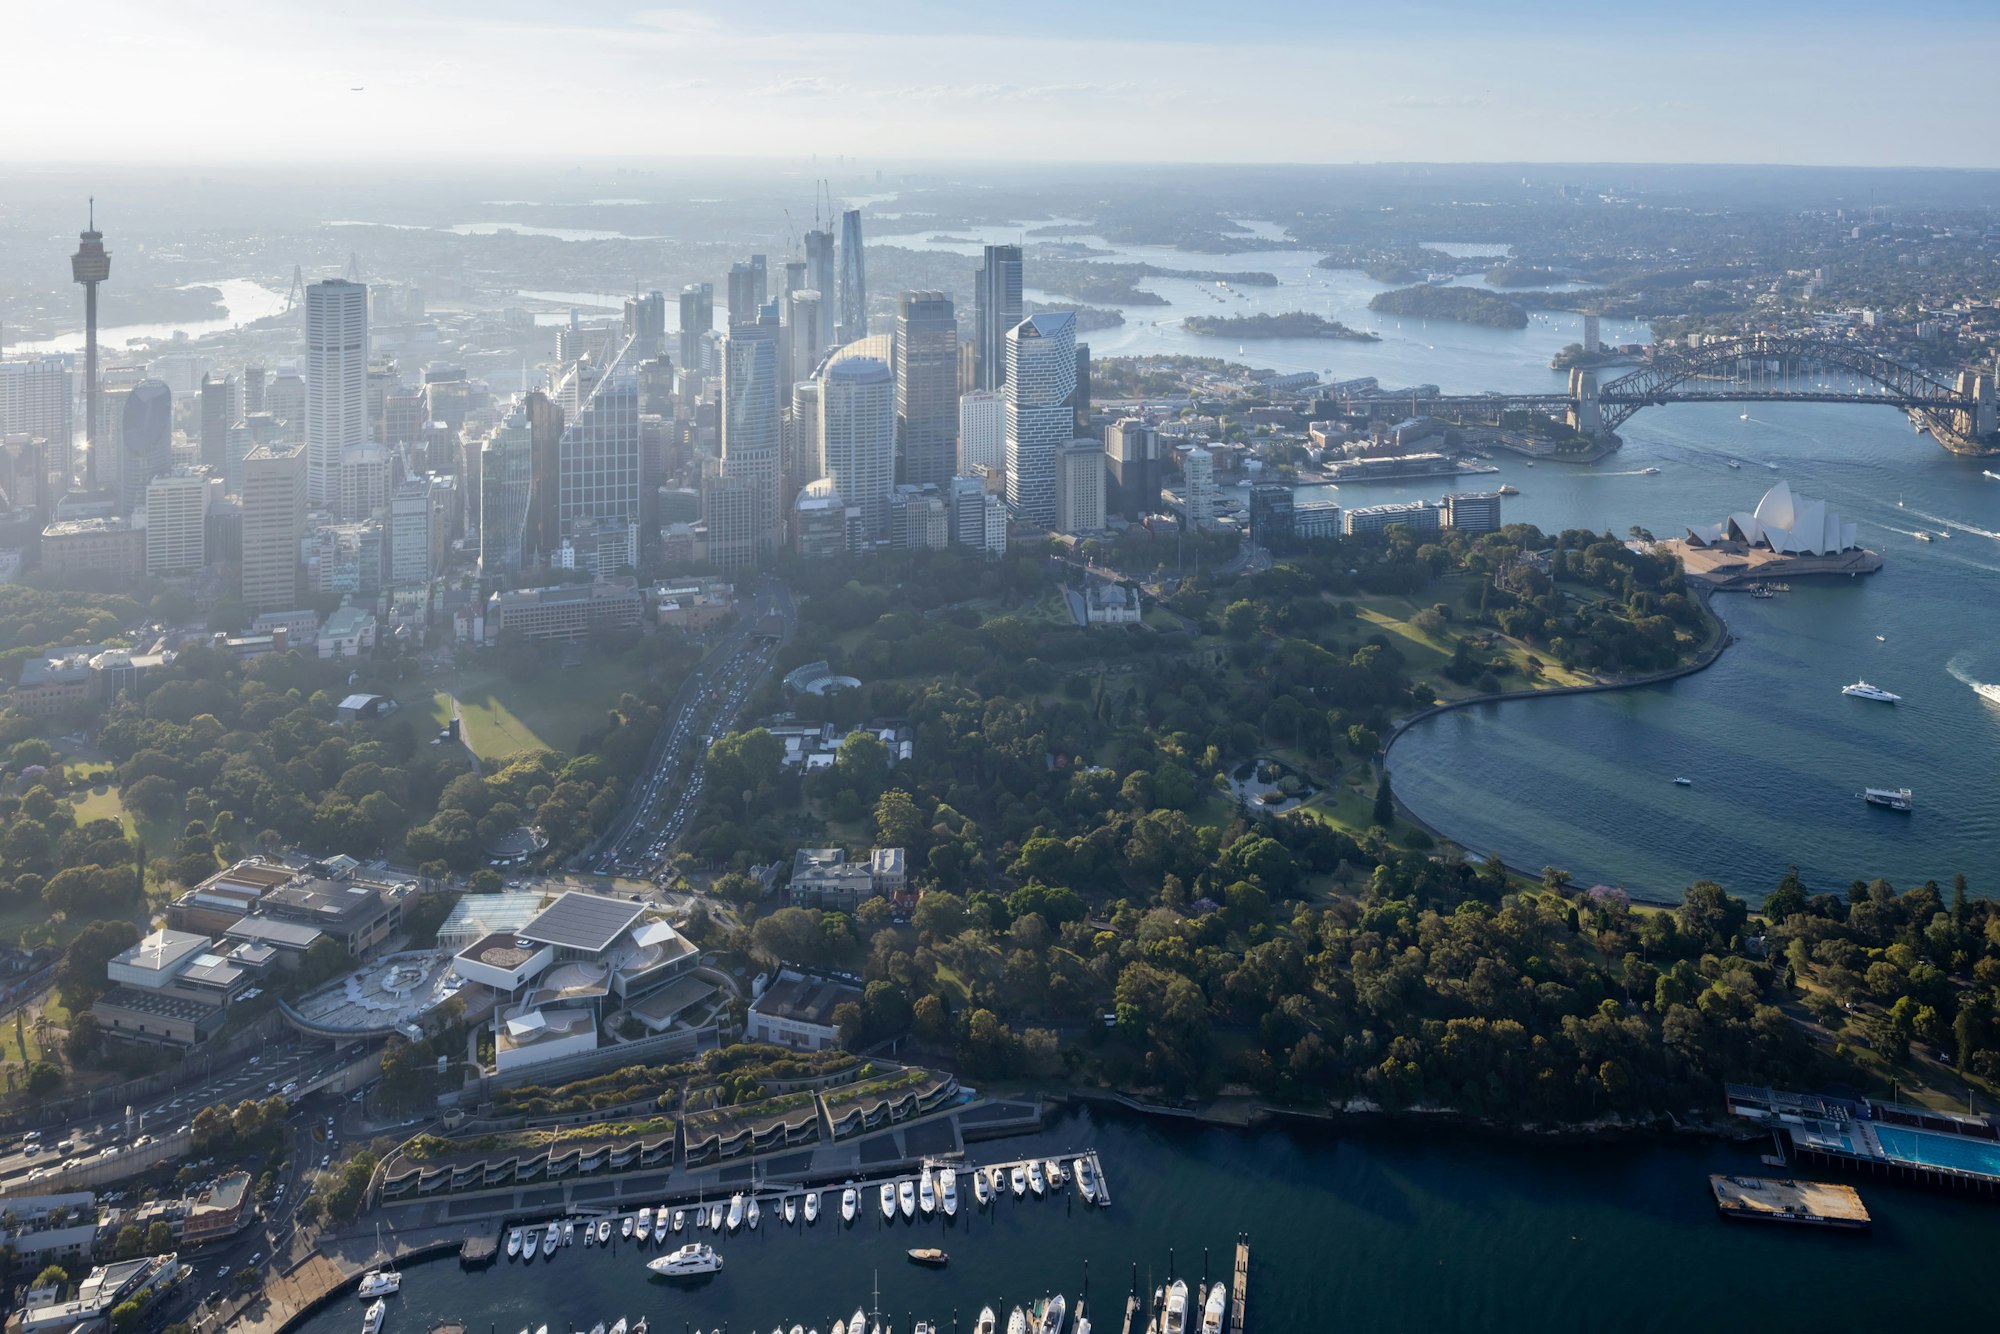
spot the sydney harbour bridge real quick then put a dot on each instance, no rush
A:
(1757, 368)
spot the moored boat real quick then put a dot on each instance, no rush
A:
(948, 1191)
(513, 1243)
(888, 1194)
(791, 1210)
(906, 1198)
(736, 1211)
(812, 1206)
(551, 1235)
(625, 1226)
(1213, 1312)
(927, 1192)
(1036, 1182)
(643, 1227)
(603, 1231)
(715, 1218)
(371, 1320)
(1086, 1180)
(1174, 1319)
(987, 1321)
(680, 1219)
(1052, 1313)
(379, 1283)
(1017, 1321)
(697, 1257)
(980, 1190)
(1019, 1180)
(751, 1213)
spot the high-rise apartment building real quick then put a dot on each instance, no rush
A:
(1080, 487)
(752, 444)
(857, 437)
(926, 389)
(416, 533)
(853, 279)
(1198, 486)
(176, 522)
(35, 398)
(697, 318)
(336, 382)
(220, 410)
(1041, 378)
(982, 431)
(368, 474)
(996, 308)
(543, 532)
(506, 479)
(1132, 458)
(803, 463)
(274, 519)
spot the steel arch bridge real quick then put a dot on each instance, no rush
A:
(1674, 377)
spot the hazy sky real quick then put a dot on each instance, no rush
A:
(1814, 81)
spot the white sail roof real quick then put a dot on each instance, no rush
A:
(1786, 523)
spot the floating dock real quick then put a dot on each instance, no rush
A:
(1239, 1287)
(1813, 1203)
(478, 1251)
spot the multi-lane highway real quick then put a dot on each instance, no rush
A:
(707, 705)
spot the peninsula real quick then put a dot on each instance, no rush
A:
(1291, 324)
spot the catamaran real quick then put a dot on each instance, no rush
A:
(380, 1282)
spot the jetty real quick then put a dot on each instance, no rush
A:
(1813, 1203)
(1239, 1286)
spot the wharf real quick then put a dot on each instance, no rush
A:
(478, 1252)
(1814, 1203)
(1239, 1287)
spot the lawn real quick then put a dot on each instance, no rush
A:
(1428, 654)
(103, 803)
(550, 712)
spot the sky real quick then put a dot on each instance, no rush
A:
(1833, 82)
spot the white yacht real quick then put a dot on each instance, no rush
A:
(791, 1210)
(550, 1236)
(988, 1322)
(513, 1243)
(997, 1178)
(859, 1322)
(694, 1258)
(948, 1191)
(751, 1213)
(1017, 1321)
(603, 1231)
(589, 1233)
(643, 1230)
(680, 1219)
(660, 1225)
(736, 1211)
(980, 1190)
(1086, 1180)
(625, 1226)
(1019, 1180)
(927, 1192)
(889, 1200)
(1036, 1183)
(1174, 1320)
(618, 1326)
(715, 1218)
(371, 1322)
(812, 1206)
(1218, 1305)
(906, 1198)
(1862, 690)
(1053, 1311)
(569, 1232)
(1987, 691)
(379, 1283)
(1053, 1169)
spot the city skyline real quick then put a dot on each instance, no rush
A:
(1620, 86)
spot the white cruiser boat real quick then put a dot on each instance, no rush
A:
(812, 1206)
(680, 1219)
(619, 1326)
(715, 1218)
(888, 1194)
(644, 1229)
(513, 1243)
(551, 1235)
(603, 1231)
(927, 1192)
(988, 1322)
(659, 1227)
(1086, 1180)
(1174, 1320)
(906, 1198)
(980, 1190)
(859, 1322)
(379, 1283)
(791, 1211)
(751, 1213)
(1053, 1311)
(371, 1322)
(1017, 1321)
(1019, 1180)
(589, 1233)
(625, 1225)
(948, 1191)
(1052, 1169)
(997, 1178)
(569, 1233)
(1218, 1305)
(1036, 1182)
(1986, 690)
(1862, 690)
(736, 1211)
(694, 1258)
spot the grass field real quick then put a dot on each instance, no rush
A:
(1428, 654)
(103, 803)
(503, 716)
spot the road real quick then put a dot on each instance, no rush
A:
(707, 705)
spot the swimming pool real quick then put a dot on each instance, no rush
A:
(1926, 1148)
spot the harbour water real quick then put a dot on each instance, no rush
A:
(1381, 1231)
(1777, 755)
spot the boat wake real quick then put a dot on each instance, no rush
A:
(1954, 523)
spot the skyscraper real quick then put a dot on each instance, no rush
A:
(145, 440)
(274, 519)
(506, 475)
(760, 288)
(926, 389)
(1198, 486)
(1080, 487)
(176, 522)
(752, 444)
(35, 398)
(90, 265)
(1041, 377)
(853, 279)
(598, 457)
(646, 321)
(741, 293)
(857, 437)
(1132, 458)
(336, 382)
(996, 308)
(219, 412)
(820, 277)
(803, 463)
(795, 276)
(808, 333)
(982, 431)
(697, 318)
(416, 533)
(543, 530)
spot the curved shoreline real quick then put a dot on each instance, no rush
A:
(1702, 661)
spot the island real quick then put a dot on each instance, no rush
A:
(1467, 305)
(1291, 324)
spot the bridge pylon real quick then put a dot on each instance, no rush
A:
(1586, 414)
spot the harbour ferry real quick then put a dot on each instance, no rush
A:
(697, 1257)
(1862, 690)
(1894, 798)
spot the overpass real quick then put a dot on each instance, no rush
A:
(1759, 368)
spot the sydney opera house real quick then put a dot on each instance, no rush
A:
(1785, 535)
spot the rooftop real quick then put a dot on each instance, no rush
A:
(332, 902)
(579, 921)
(164, 950)
(287, 935)
(500, 949)
(804, 1000)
